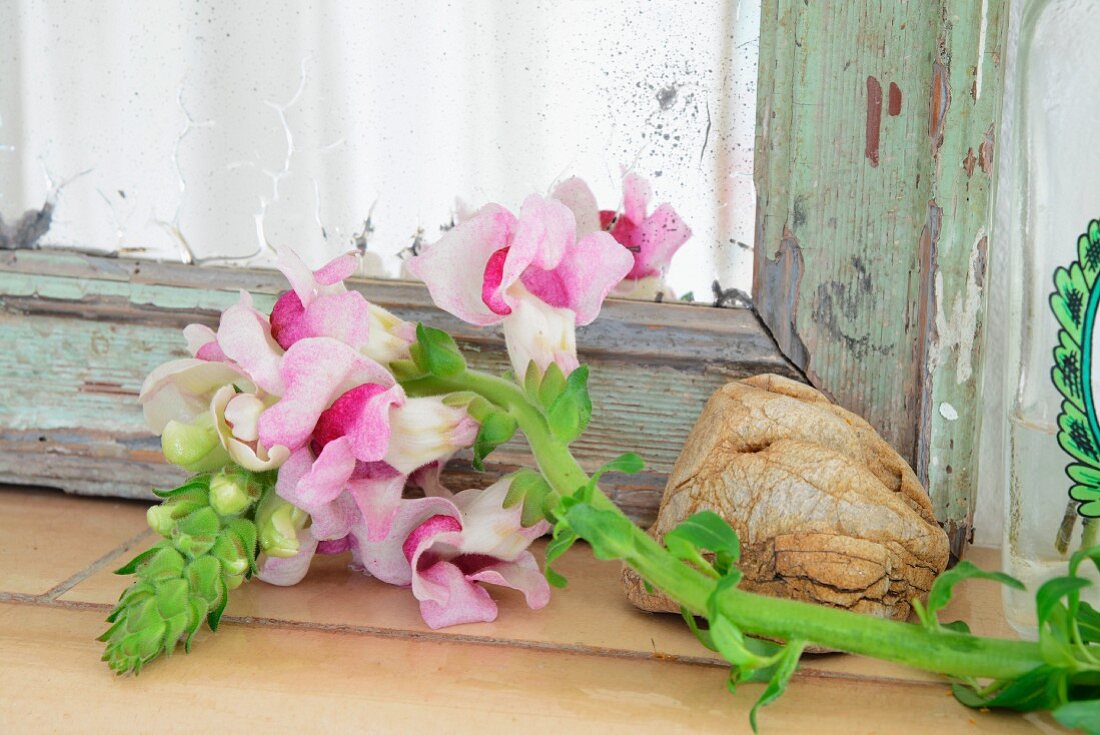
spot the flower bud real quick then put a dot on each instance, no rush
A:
(162, 518)
(231, 553)
(194, 447)
(229, 493)
(278, 523)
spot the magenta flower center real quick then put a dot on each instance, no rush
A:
(338, 419)
(621, 227)
(286, 317)
(494, 275)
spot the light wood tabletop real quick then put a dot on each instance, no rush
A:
(342, 652)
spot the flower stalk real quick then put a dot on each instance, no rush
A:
(942, 652)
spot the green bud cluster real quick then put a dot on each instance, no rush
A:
(209, 548)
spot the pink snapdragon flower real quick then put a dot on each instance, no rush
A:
(652, 237)
(354, 436)
(532, 274)
(446, 548)
(319, 305)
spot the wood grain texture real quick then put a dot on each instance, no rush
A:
(872, 223)
(78, 334)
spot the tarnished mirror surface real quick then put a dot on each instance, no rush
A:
(214, 132)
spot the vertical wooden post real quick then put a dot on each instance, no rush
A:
(875, 146)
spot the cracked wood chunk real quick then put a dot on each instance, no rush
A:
(826, 510)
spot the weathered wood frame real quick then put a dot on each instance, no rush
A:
(876, 126)
(875, 148)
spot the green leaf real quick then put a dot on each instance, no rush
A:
(734, 647)
(1084, 716)
(784, 669)
(438, 353)
(610, 534)
(562, 540)
(629, 463)
(528, 487)
(702, 635)
(1049, 596)
(131, 566)
(1091, 553)
(1088, 623)
(405, 370)
(496, 428)
(1040, 688)
(246, 532)
(531, 380)
(198, 482)
(704, 531)
(570, 412)
(940, 594)
(551, 386)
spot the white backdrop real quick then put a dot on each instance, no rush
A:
(215, 130)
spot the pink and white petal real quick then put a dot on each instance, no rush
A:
(636, 194)
(585, 276)
(335, 546)
(315, 371)
(369, 432)
(545, 232)
(425, 430)
(181, 390)
(242, 413)
(285, 572)
(327, 477)
(334, 521)
(536, 331)
(462, 602)
(429, 479)
(658, 238)
(389, 336)
(336, 270)
(386, 559)
(309, 285)
(523, 574)
(378, 498)
(454, 267)
(256, 459)
(575, 194)
(244, 335)
(343, 316)
(202, 342)
(490, 529)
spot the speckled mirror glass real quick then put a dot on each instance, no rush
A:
(213, 132)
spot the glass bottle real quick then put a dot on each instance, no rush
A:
(1053, 108)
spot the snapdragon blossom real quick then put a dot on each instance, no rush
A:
(531, 273)
(446, 548)
(651, 237)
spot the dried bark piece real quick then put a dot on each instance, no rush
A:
(826, 510)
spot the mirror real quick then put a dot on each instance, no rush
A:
(213, 132)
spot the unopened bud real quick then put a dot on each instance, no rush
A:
(163, 518)
(279, 523)
(229, 493)
(195, 447)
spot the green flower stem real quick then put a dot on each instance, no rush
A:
(940, 651)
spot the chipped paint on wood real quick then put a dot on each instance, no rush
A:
(874, 119)
(957, 326)
(881, 338)
(895, 99)
(939, 101)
